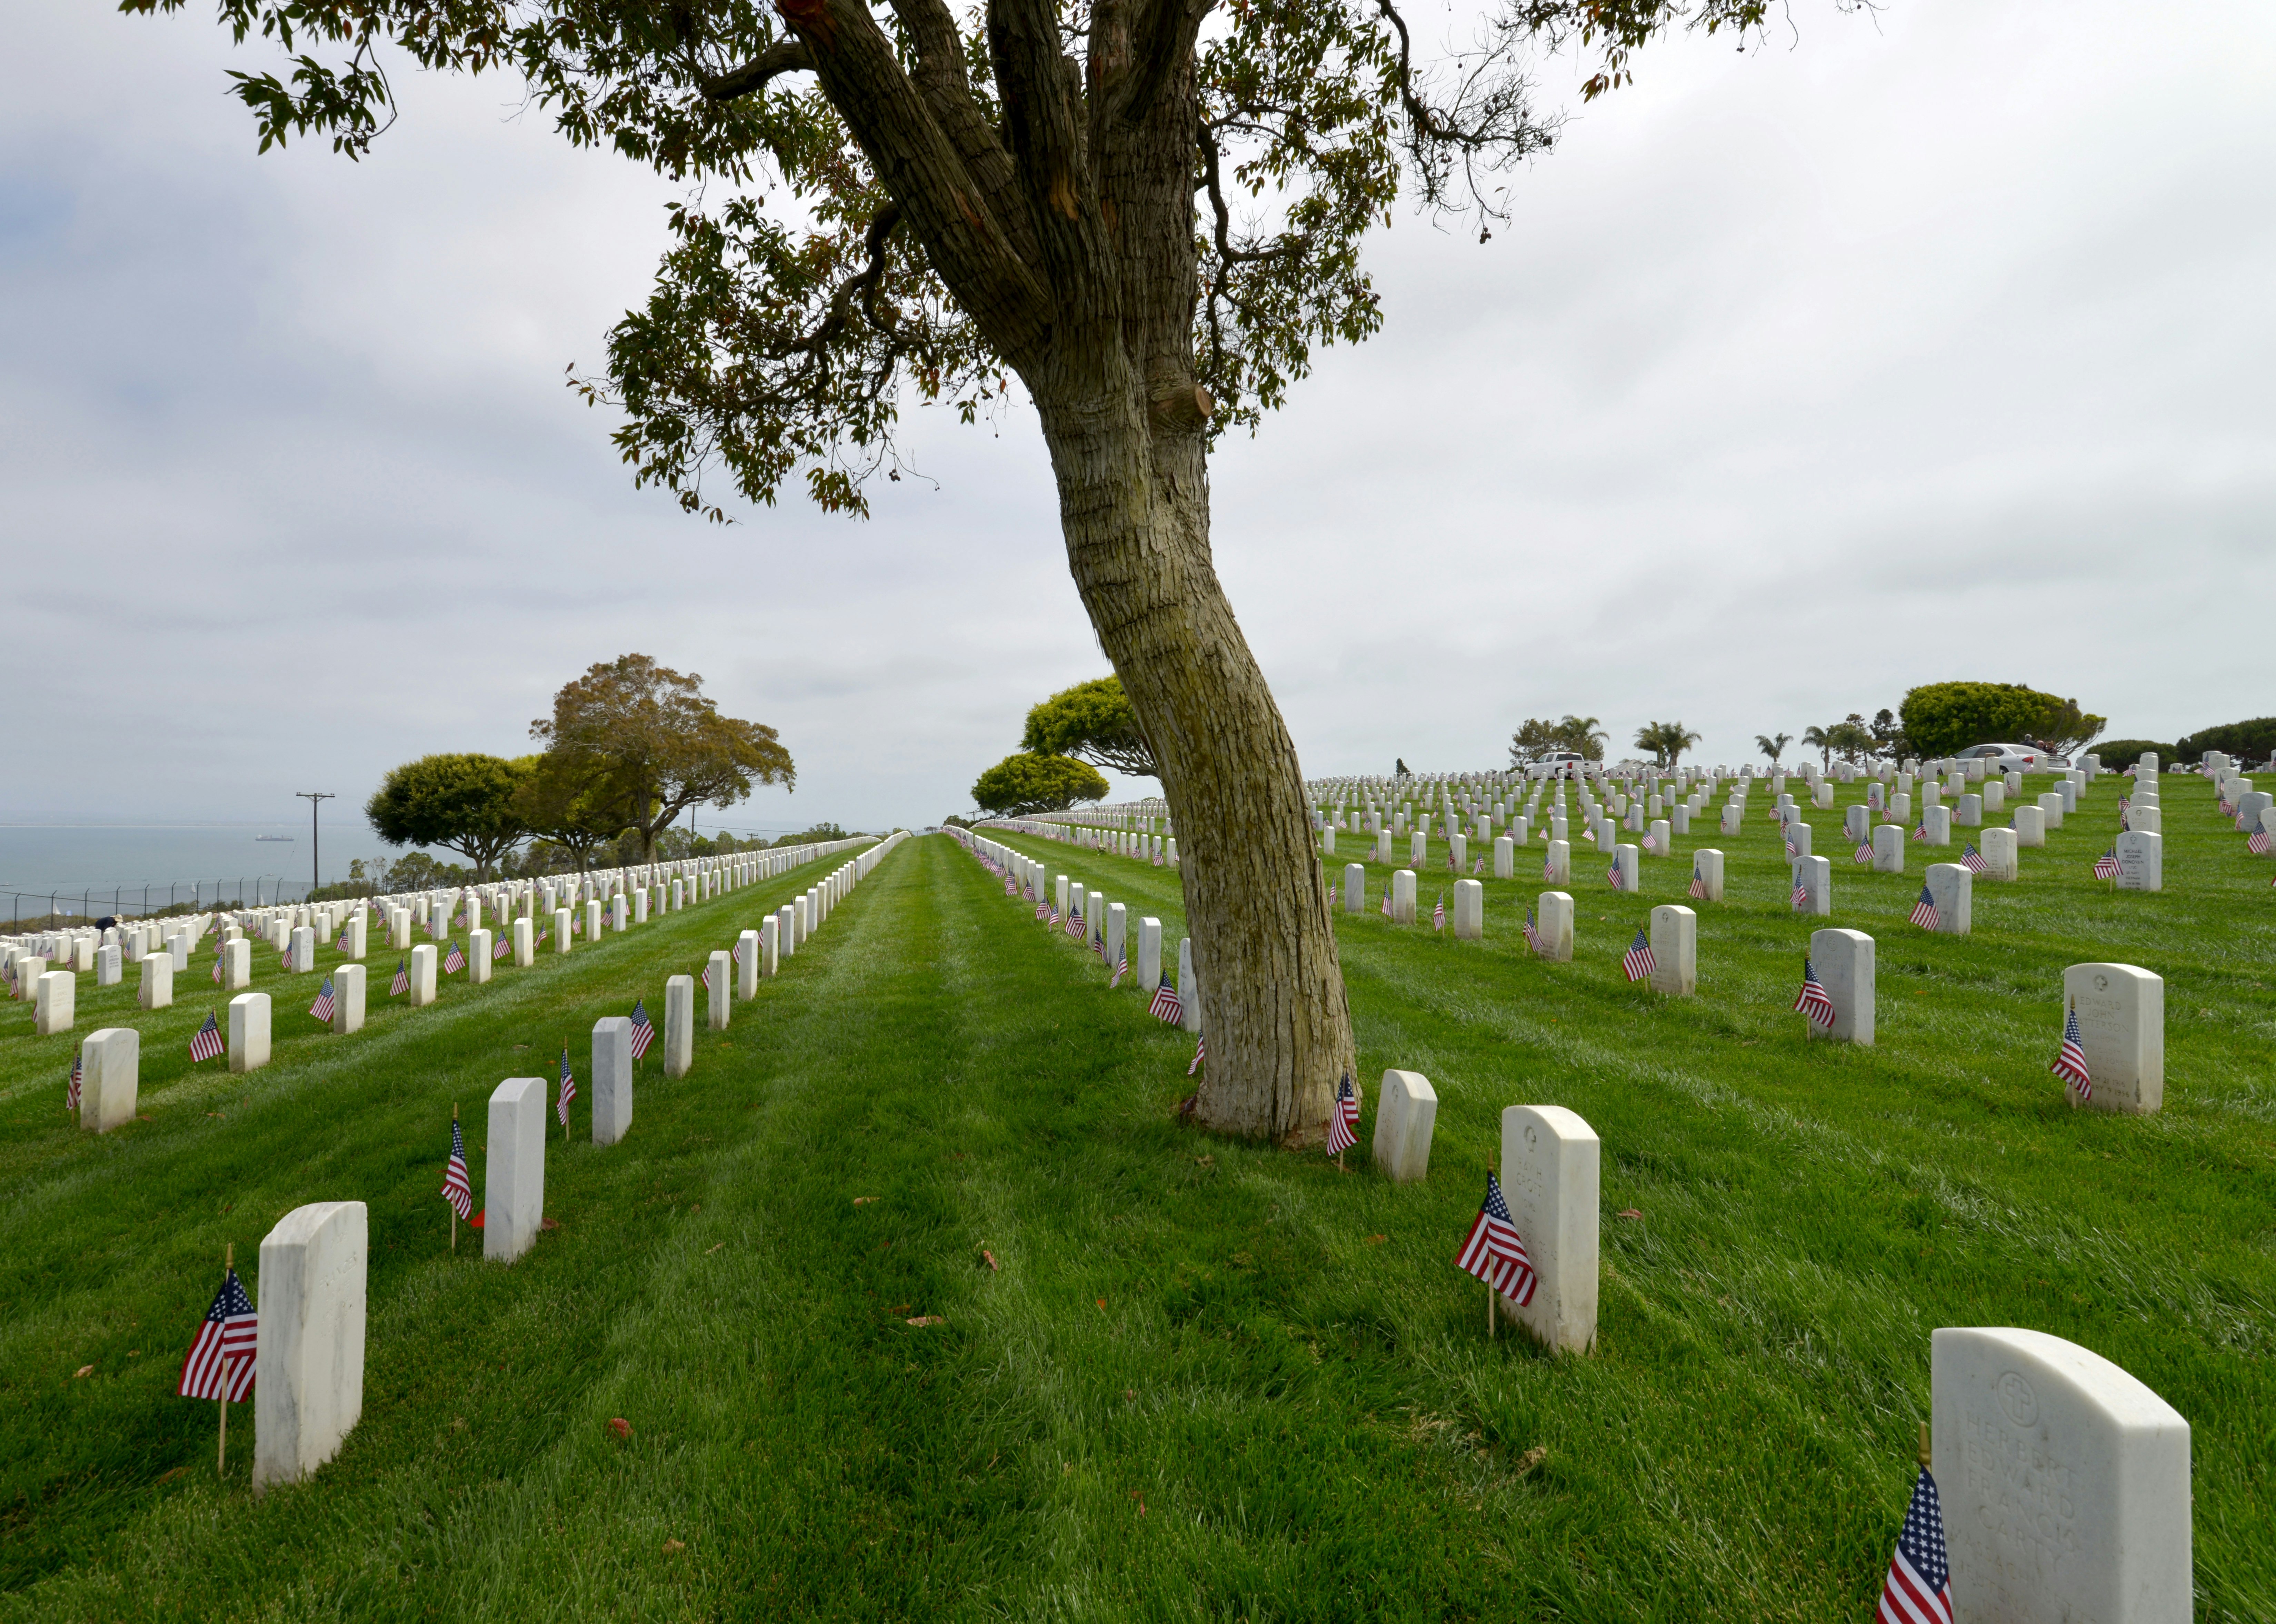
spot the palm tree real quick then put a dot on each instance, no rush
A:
(1772, 745)
(1579, 733)
(1666, 740)
(1818, 739)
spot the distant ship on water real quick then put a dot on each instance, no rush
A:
(286, 839)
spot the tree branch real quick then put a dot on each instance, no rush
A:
(1164, 35)
(944, 81)
(790, 56)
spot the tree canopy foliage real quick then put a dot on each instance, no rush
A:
(1023, 785)
(1666, 741)
(466, 804)
(1941, 717)
(639, 744)
(2253, 740)
(1093, 720)
(1584, 736)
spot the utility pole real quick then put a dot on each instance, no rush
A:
(314, 798)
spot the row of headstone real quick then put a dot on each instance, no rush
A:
(111, 1059)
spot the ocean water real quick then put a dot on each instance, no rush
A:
(114, 865)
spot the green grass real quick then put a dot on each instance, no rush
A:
(1206, 1380)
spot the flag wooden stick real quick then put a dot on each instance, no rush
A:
(221, 1451)
(1924, 1449)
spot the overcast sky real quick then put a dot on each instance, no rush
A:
(1934, 345)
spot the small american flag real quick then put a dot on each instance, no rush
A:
(2070, 1060)
(1698, 887)
(1814, 1001)
(738, 952)
(341, 945)
(1438, 913)
(1386, 899)
(1549, 869)
(77, 1075)
(500, 948)
(456, 1190)
(220, 1363)
(1166, 1005)
(402, 983)
(1651, 843)
(1790, 852)
(1972, 860)
(1343, 1121)
(1041, 909)
(208, 1042)
(1919, 1587)
(1120, 970)
(2259, 844)
(1055, 913)
(1921, 833)
(322, 1009)
(1494, 1251)
(1924, 910)
(1075, 923)
(1864, 853)
(2107, 867)
(1532, 935)
(454, 961)
(1637, 961)
(216, 963)
(1612, 874)
(568, 1088)
(707, 977)
(1200, 1053)
(1800, 891)
(643, 1033)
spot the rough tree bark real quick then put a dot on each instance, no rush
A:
(1070, 241)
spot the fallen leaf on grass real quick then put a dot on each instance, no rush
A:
(1630, 1212)
(928, 1319)
(85, 1369)
(709, 1250)
(863, 1200)
(619, 1425)
(1129, 1392)
(671, 1545)
(1102, 1305)
(1377, 1240)
(144, 1117)
(904, 1308)
(1205, 1161)
(990, 1256)
(166, 1476)
(548, 1224)
(1532, 1458)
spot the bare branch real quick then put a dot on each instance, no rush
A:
(788, 57)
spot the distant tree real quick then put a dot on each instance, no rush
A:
(1092, 720)
(1666, 740)
(1889, 738)
(815, 836)
(462, 803)
(1942, 717)
(645, 744)
(1584, 736)
(2122, 753)
(559, 803)
(1818, 739)
(417, 871)
(1532, 741)
(1021, 786)
(1401, 769)
(1850, 739)
(1773, 744)
(2254, 740)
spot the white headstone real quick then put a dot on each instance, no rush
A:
(55, 1002)
(308, 1351)
(1844, 962)
(2122, 1018)
(1889, 849)
(1999, 852)
(157, 989)
(112, 1079)
(1550, 1177)
(1405, 1111)
(678, 1025)
(718, 989)
(479, 944)
(1951, 888)
(248, 1031)
(1469, 910)
(513, 1175)
(1402, 897)
(1553, 926)
(2064, 1481)
(1148, 961)
(2030, 826)
(348, 997)
(1674, 950)
(2141, 860)
(423, 962)
(1815, 875)
(612, 1078)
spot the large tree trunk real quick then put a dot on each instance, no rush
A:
(1134, 501)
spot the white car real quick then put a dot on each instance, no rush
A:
(2012, 758)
